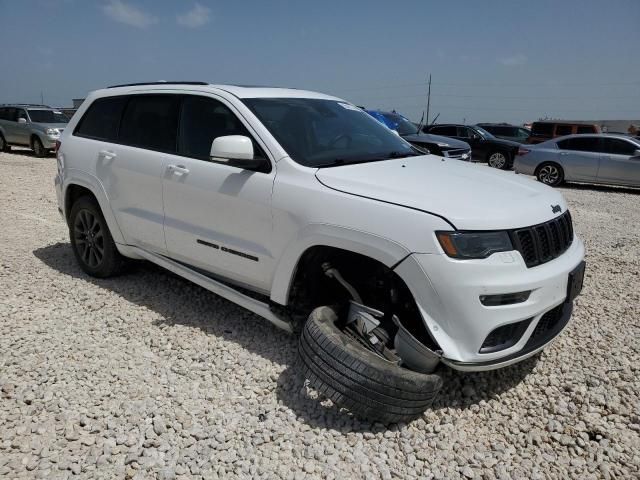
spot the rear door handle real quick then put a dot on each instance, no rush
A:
(107, 154)
(562, 154)
(178, 169)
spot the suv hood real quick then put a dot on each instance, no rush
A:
(471, 197)
(429, 138)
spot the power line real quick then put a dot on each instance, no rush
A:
(494, 84)
(512, 97)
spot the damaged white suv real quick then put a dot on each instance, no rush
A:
(305, 210)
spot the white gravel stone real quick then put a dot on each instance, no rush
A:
(149, 376)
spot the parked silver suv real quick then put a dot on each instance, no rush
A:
(34, 126)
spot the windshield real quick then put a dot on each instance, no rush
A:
(317, 132)
(401, 124)
(483, 132)
(47, 116)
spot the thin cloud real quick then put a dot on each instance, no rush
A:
(195, 18)
(128, 14)
(513, 60)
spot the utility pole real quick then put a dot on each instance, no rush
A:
(428, 99)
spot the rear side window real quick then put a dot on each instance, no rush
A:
(543, 129)
(446, 131)
(102, 119)
(615, 146)
(562, 130)
(151, 121)
(584, 144)
(586, 129)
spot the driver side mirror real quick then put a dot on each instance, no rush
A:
(22, 120)
(236, 151)
(475, 136)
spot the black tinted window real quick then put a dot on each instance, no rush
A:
(562, 130)
(584, 144)
(4, 114)
(544, 129)
(585, 129)
(151, 121)
(445, 131)
(616, 146)
(203, 120)
(102, 119)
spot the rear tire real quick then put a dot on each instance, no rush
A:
(38, 148)
(91, 240)
(550, 174)
(4, 146)
(359, 380)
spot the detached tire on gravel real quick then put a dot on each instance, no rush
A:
(356, 378)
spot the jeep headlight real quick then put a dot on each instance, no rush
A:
(52, 131)
(468, 245)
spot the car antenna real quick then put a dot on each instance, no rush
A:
(420, 124)
(434, 120)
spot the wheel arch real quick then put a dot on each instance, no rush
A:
(78, 187)
(383, 250)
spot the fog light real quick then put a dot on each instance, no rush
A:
(504, 299)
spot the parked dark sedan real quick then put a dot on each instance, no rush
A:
(484, 146)
(441, 146)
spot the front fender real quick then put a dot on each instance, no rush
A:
(384, 250)
(90, 182)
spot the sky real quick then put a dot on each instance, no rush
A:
(493, 61)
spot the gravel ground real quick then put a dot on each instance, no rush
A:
(148, 376)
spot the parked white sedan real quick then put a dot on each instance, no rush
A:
(602, 158)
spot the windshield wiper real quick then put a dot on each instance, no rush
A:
(396, 154)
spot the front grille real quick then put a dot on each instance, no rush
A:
(456, 152)
(504, 337)
(542, 243)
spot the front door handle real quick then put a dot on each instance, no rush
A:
(562, 154)
(178, 169)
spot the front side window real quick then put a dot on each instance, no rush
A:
(615, 146)
(202, 120)
(47, 116)
(449, 131)
(151, 121)
(582, 144)
(102, 119)
(320, 133)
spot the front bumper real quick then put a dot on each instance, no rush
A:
(447, 292)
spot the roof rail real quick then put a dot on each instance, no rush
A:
(157, 83)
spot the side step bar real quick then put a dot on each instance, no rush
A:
(259, 308)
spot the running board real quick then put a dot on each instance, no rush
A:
(256, 306)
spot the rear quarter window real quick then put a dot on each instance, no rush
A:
(562, 130)
(102, 119)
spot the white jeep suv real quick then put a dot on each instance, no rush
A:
(305, 210)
